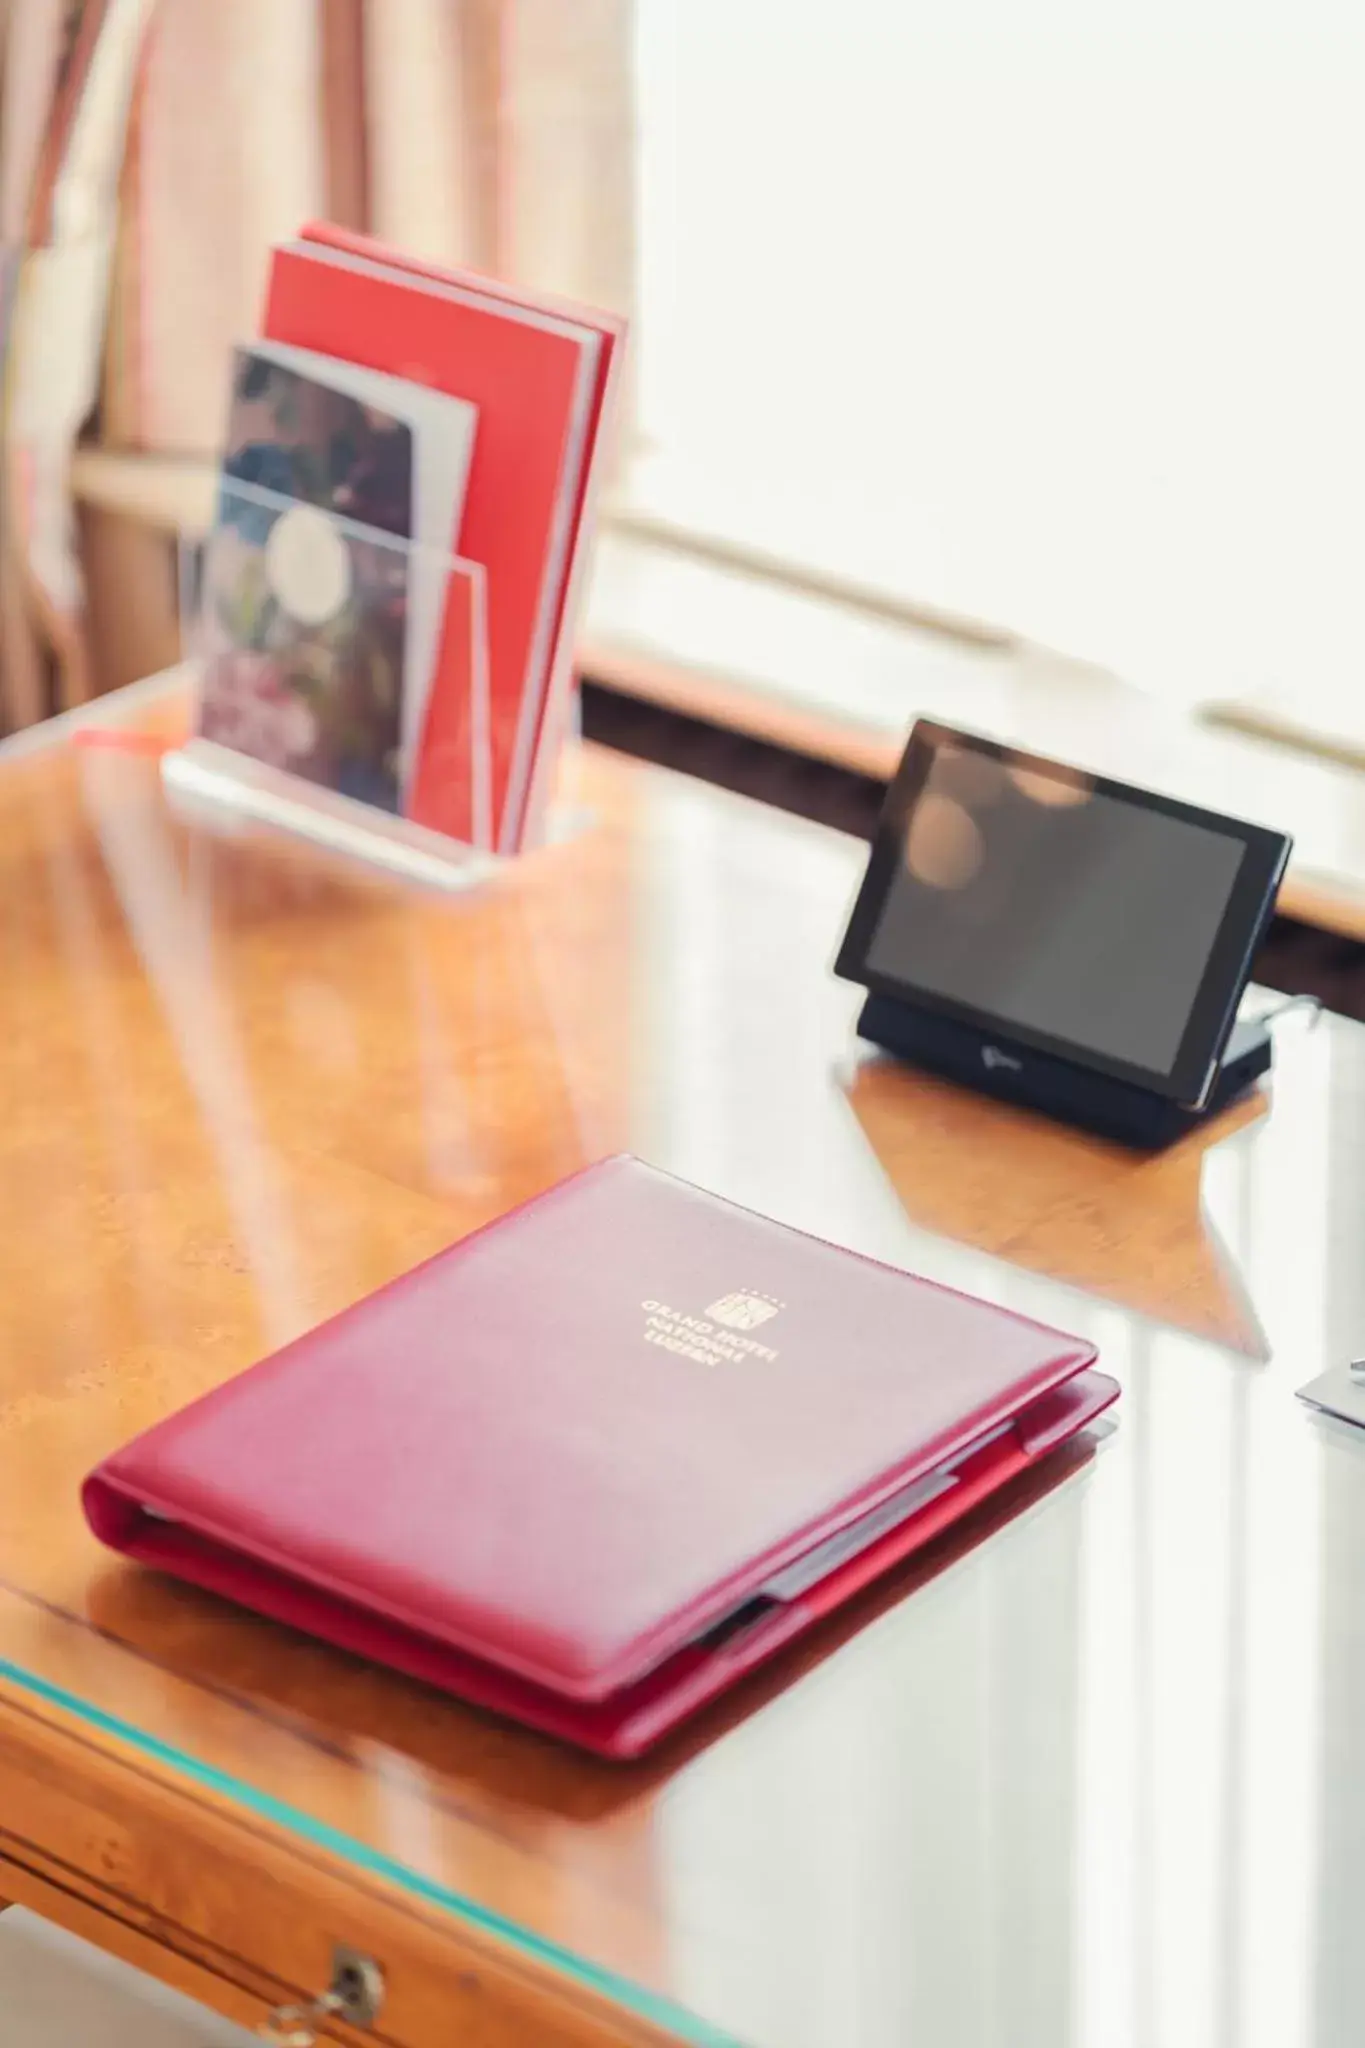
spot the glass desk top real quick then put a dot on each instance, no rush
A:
(1089, 1774)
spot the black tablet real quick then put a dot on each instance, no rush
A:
(1064, 911)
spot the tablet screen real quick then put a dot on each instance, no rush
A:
(1065, 909)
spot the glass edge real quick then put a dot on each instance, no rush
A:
(621, 1991)
(113, 708)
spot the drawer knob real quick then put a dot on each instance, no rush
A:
(356, 1993)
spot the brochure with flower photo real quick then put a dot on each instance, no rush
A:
(302, 626)
(303, 600)
(320, 635)
(296, 435)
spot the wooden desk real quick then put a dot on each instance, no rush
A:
(1091, 1774)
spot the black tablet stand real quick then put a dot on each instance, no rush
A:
(1114, 1109)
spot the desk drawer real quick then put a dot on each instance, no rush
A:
(244, 1917)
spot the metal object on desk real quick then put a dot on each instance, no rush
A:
(1340, 1392)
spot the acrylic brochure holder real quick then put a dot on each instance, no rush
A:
(318, 645)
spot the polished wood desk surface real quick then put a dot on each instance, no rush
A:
(1091, 1774)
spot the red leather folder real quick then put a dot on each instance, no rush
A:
(540, 374)
(591, 1464)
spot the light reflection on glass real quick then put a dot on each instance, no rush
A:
(943, 847)
(170, 920)
(975, 779)
(1059, 790)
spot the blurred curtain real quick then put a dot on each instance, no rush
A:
(68, 72)
(490, 132)
(225, 155)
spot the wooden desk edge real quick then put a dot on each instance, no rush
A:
(231, 1908)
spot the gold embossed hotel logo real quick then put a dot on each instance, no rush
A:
(718, 1337)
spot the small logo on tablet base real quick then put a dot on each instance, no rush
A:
(996, 1061)
(743, 1311)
